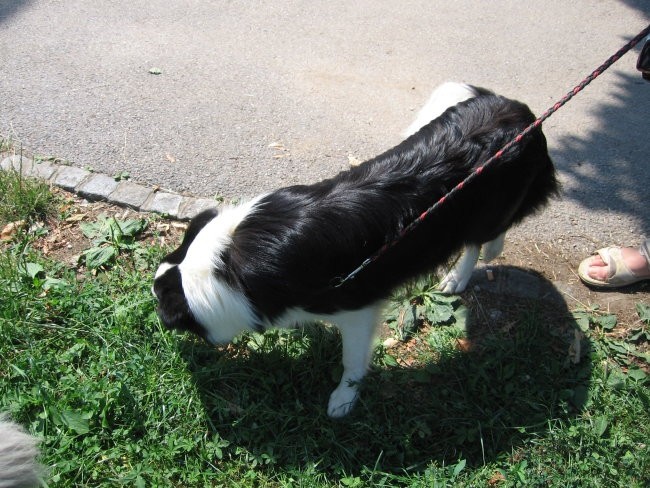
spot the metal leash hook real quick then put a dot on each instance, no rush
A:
(643, 65)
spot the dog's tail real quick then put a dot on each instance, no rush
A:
(18, 451)
(446, 95)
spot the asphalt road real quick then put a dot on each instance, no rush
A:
(251, 96)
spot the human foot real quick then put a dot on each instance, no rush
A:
(613, 267)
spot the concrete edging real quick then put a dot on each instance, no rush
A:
(101, 187)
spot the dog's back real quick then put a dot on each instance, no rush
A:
(358, 211)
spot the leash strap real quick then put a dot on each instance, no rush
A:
(338, 282)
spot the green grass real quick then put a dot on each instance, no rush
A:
(117, 400)
(23, 198)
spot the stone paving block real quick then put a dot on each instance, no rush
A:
(23, 164)
(97, 187)
(19, 163)
(70, 177)
(192, 206)
(28, 167)
(130, 194)
(164, 203)
(45, 170)
(14, 162)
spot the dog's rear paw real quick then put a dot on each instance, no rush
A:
(453, 283)
(342, 401)
(493, 249)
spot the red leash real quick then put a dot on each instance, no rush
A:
(597, 72)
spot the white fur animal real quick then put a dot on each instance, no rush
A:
(18, 451)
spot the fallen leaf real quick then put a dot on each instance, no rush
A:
(9, 230)
(390, 342)
(463, 345)
(161, 227)
(496, 479)
(76, 218)
(170, 158)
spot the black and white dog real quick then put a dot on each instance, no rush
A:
(271, 262)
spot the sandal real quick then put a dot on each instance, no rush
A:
(619, 274)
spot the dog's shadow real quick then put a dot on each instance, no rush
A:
(477, 396)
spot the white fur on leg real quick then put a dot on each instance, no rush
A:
(18, 466)
(446, 95)
(456, 280)
(357, 332)
(493, 248)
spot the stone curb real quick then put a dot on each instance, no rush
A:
(101, 187)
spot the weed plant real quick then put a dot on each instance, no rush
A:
(23, 198)
(117, 400)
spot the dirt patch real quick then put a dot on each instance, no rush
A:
(557, 262)
(62, 239)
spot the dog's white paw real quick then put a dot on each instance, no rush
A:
(453, 283)
(456, 280)
(342, 401)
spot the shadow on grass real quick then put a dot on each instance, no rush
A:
(476, 402)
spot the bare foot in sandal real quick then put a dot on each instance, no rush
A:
(613, 267)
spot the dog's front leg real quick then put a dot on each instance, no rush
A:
(357, 333)
(456, 280)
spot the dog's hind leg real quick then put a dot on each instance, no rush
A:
(493, 248)
(456, 280)
(357, 333)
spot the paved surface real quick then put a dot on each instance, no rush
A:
(251, 96)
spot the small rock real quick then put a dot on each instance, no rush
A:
(390, 342)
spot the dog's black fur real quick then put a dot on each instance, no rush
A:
(297, 241)
(289, 252)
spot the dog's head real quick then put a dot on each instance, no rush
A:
(195, 287)
(173, 307)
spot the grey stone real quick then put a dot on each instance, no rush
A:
(28, 167)
(164, 203)
(9, 163)
(19, 163)
(97, 187)
(45, 170)
(192, 206)
(130, 194)
(70, 177)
